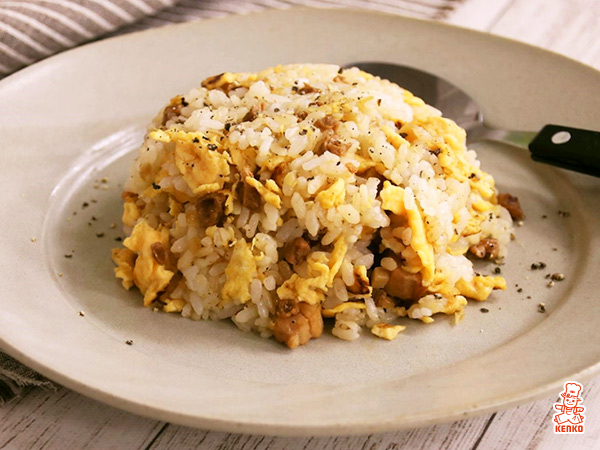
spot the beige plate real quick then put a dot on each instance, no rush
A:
(75, 118)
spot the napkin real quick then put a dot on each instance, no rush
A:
(15, 377)
(31, 30)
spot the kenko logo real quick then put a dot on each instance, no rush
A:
(569, 418)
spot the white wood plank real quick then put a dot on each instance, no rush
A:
(591, 438)
(568, 27)
(479, 14)
(64, 419)
(458, 435)
(530, 426)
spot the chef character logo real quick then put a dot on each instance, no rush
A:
(569, 417)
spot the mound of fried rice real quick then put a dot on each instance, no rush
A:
(280, 198)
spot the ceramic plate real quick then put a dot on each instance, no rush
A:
(69, 129)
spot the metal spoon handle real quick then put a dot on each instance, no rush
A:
(566, 147)
(569, 148)
(480, 131)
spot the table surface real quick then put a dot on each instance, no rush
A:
(65, 419)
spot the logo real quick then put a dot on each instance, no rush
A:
(569, 418)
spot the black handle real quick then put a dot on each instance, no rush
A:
(569, 148)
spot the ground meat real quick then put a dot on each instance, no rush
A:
(307, 89)
(129, 196)
(211, 209)
(171, 112)
(250, 116)
(301, 115)
(159, 252)
(383, 300)
(279, 174)
(296, 251)
(405, 285)
(287, 308)
(210, 82)
(486, 247)
(334, 144)
(297, 329)
(327, 123)
(216, 82)
(250, 197)
(511, 203)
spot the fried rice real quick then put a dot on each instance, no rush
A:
(301, 193)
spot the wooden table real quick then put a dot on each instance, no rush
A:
(65, 419)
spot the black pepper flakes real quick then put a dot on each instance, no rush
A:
(68, 255)
(195, 140)
(228, 126)
(497, 270)
(520, 290)
(541, 308)
(484, 310)
(129, 342)
(538, 265)
(435, 152)
(155, 186)
(302, 132)
(84, 205)
(212, 146)
(81, 314)
(99, 235)
(118, 239)
(544, 216)
(183, 102)
(564, 213)
(557, 276)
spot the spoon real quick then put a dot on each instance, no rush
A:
(561, 146)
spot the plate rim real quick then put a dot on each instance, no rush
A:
(291, 430)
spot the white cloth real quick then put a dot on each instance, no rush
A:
(15, 377)
(31, 30)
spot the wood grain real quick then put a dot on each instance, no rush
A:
(65, 419)
(68, 420)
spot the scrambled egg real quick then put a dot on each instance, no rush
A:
(332, 196)
(136, 263)
(480, 287)
(386, 331)
(203, 167)
(331, 312)
(311, 289)
(269, 191)
(239, 272)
